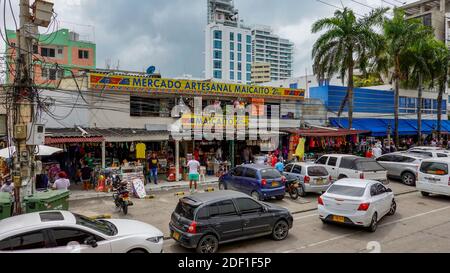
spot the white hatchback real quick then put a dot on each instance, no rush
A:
(66, 232)
(357, 202)
(434, 177)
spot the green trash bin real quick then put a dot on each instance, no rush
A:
(5, 205)
(47, 200)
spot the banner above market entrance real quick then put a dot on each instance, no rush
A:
(147, 84)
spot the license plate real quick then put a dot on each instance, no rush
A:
(275, 184)
(320, 181)
(176, 235)
(339, 219)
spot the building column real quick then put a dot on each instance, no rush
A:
(177, 160)
(442, 6)
(104, 154)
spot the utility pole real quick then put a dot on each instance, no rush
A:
(23, 100)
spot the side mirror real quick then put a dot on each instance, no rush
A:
(388, 190)
(91, 242)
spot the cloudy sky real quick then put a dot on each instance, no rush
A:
(170, 33)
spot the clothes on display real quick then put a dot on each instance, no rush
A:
(141, 149)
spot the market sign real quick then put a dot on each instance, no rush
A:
(190, 120)
(146, 84)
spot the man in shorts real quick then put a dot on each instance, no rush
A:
(194, 174)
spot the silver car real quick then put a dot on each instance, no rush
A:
(402, 166)
(311, 177)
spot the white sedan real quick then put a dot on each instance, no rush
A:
(66, 232)
(357, 202)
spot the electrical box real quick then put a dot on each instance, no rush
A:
(42, 13)
(20, 132)
(36, 134)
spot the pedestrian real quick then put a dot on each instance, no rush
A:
(153, 163)
(377, 152)
(194, 174)
(62, 183)
(369, 153)
(280, 165)
(246, 155)
(274, 160)
(7, 186)
(86, 176)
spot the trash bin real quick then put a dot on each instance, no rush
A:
(47, 200)
(5, 205)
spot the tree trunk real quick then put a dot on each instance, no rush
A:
(442, 86)
(396, 100)
(419, 110)
(350, 96)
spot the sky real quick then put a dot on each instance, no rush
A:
(169, 34)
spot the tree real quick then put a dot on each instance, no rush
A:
(348, 43)
(400, 36)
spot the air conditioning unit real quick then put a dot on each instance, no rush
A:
(42, 13)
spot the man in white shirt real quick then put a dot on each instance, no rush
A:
(62, 183)
(377, 152)
(194, 174)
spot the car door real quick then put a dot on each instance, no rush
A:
(322, 160)
(74, 240)
(225, 220)
(288, 170)
(249, 181)
(235, 178)
(254, 218)
(297, 172)
(30, 242)
(388, 162)
(332, 167)
(377, 200)
(385, 197)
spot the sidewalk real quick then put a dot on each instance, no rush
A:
(76, 192)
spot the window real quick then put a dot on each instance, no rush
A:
(239, 47)
(218, 34)
(249, 67)
(217, 74)
(232, 46)
(239, 75)
(297, 169)
(28, 241)
(217, 54)
(288, 168)
(368, 166)
(249, 39)
(231, 36)
(251, 173)
(48, 52)
(348, 162)
(427, 20)
(386, 158)
(231, 75)
(60, 51)
(322, 160)
(249, 77)
(217, 44)
(239, 171)
(270, 174)
(144, 107)
(248, 206)
(249, 58)
(83, 54)
(224, 208)
(239, 37)
(218, 64)
(332, 161)
(442, 155)
(185, 210)
(203, 213)
(239, 67)
(64, 236)
(232, 56)
(317, 171)
(249, 48)
(231, 65)
(347, 190)
(239, 57)
(434, 168)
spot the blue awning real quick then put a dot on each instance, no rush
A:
(379, 127)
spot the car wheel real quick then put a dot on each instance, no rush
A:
(301, 191)
(208, 244)
(280, 230)
(324, 222)
(425, 194)
(255, 195)
(280, 197)
(137, 251)
(222, 186)
(374, 223)
(393, 208)
(342, 177)
(409, 179)
(293, 193)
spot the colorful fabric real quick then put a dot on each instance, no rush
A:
(140, 151)
(300, 152)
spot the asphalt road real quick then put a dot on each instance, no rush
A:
(420, 225)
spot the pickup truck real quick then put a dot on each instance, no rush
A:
(349, 166)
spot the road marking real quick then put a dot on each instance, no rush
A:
(307, 216)
(354, 233)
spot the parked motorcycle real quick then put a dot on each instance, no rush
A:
(121, 195)
(292, 185)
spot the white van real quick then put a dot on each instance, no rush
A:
(433, 177)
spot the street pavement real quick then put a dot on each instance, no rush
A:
(420, 225)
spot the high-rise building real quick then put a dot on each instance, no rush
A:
(270, 48)
(228, 44)
(260, 73)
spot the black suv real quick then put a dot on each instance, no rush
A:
(204, 220)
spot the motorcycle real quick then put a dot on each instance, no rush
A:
(292, 185)
(121, 195)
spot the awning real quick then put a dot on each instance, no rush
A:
(324, 133)
(68, 140)
(379, 127)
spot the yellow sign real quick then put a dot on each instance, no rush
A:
(146, 84)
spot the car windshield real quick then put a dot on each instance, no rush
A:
(346, 190)
(185, 210)
(101, 226)
(434, 168)
(317, 171)
(368, 166)
(270, 174)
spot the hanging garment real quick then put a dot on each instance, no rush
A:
(300, 152)
(140, 151)
(132, 148)
(311, 143)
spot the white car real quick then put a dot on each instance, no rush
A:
(341, 166)
(433, 177)
(66, 232)
(430, 151)
(356, 202)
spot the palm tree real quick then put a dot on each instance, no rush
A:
(400, 36)
(347, 43)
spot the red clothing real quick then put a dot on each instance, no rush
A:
(274, 161)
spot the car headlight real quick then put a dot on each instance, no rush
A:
(155, 239)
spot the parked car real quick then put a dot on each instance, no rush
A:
(433, 177)
(259, 181)
(204, 221)
(66, 232)
(356, 202)
(430, 151)
(312, 177)
(402, 166)
(349, 166)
